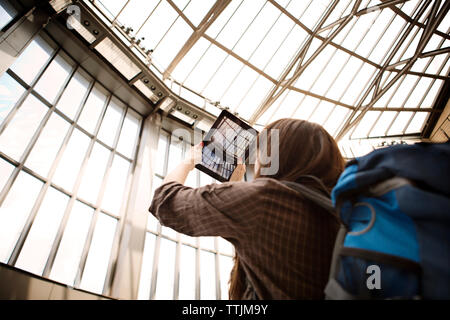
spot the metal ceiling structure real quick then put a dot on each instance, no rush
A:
(363, 69)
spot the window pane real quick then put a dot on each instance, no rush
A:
(38, 244)
(169, 232)
(187, 273)
(49, 142)
(152, 222)
(72, 243)
(5, 172)
(188, 239)
(73, 95)
(92, 109)
(226, 264)
(53, 78)
(32, 60)
(175, 153)
(191, 180)
(10, 92)
(98, 258)
(225, 246)
(417, 122)
(207, 276)
(71, 161)
(159, 157)
(207, 243)
(15, 210)
(145, 279)
(128, 135)
(204, 179)
(110, 123)
(115, 188)
(20, 130)
(166, 270)
(95, 171)
(382, 124)
(400, 123)
(7, 13)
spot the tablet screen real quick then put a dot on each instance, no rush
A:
(228, 140)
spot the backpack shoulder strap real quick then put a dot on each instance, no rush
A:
(318, 198)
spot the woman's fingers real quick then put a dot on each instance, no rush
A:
(197, 153)
(194, 156)
(239, 171)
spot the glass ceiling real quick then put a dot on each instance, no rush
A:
(362, 69)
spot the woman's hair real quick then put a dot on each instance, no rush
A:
(304, 148)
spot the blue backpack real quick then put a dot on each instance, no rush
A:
(394, 204)
(394, 208)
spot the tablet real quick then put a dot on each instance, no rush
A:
(229, 139)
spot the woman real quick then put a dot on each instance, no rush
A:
(283, 242)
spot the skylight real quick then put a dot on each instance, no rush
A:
(362, 69)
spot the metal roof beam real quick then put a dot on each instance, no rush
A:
(283, 83)
(434, 18)
(199, 31)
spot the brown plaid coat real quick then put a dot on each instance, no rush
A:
(284, 241)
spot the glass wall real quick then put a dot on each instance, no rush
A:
(67, 152)
(176, 266)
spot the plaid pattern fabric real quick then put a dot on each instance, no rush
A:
(284, 242)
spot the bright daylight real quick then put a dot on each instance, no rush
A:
(224, 150)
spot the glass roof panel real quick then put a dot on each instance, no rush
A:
(285, 52)
(222, 78)
(383, 124)
(432, 94)
(111, 7)
(358, 84)
(205, 68)
(248, 52)
(254, 97)
(330, 72)
(336, 118)
(256, 32)
(239, 22)
(189, 61)
(322, 112)
(236, 91)
(197, 9)
(271, 43)
(417, 122)
(388, 39)
(157, 25)
(306, 108)
(363, 128)
(375, 32)
(287, 105)
(136, 12)
(400, 123)
(314, 12)
(219, 24)
(172, 42)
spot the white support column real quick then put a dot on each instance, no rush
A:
(125, 283)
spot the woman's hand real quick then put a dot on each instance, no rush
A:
(194, 156)
(239, 172)
(180, 173)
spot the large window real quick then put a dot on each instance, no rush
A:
(67, 152)
(7, 13)
(176, 266)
